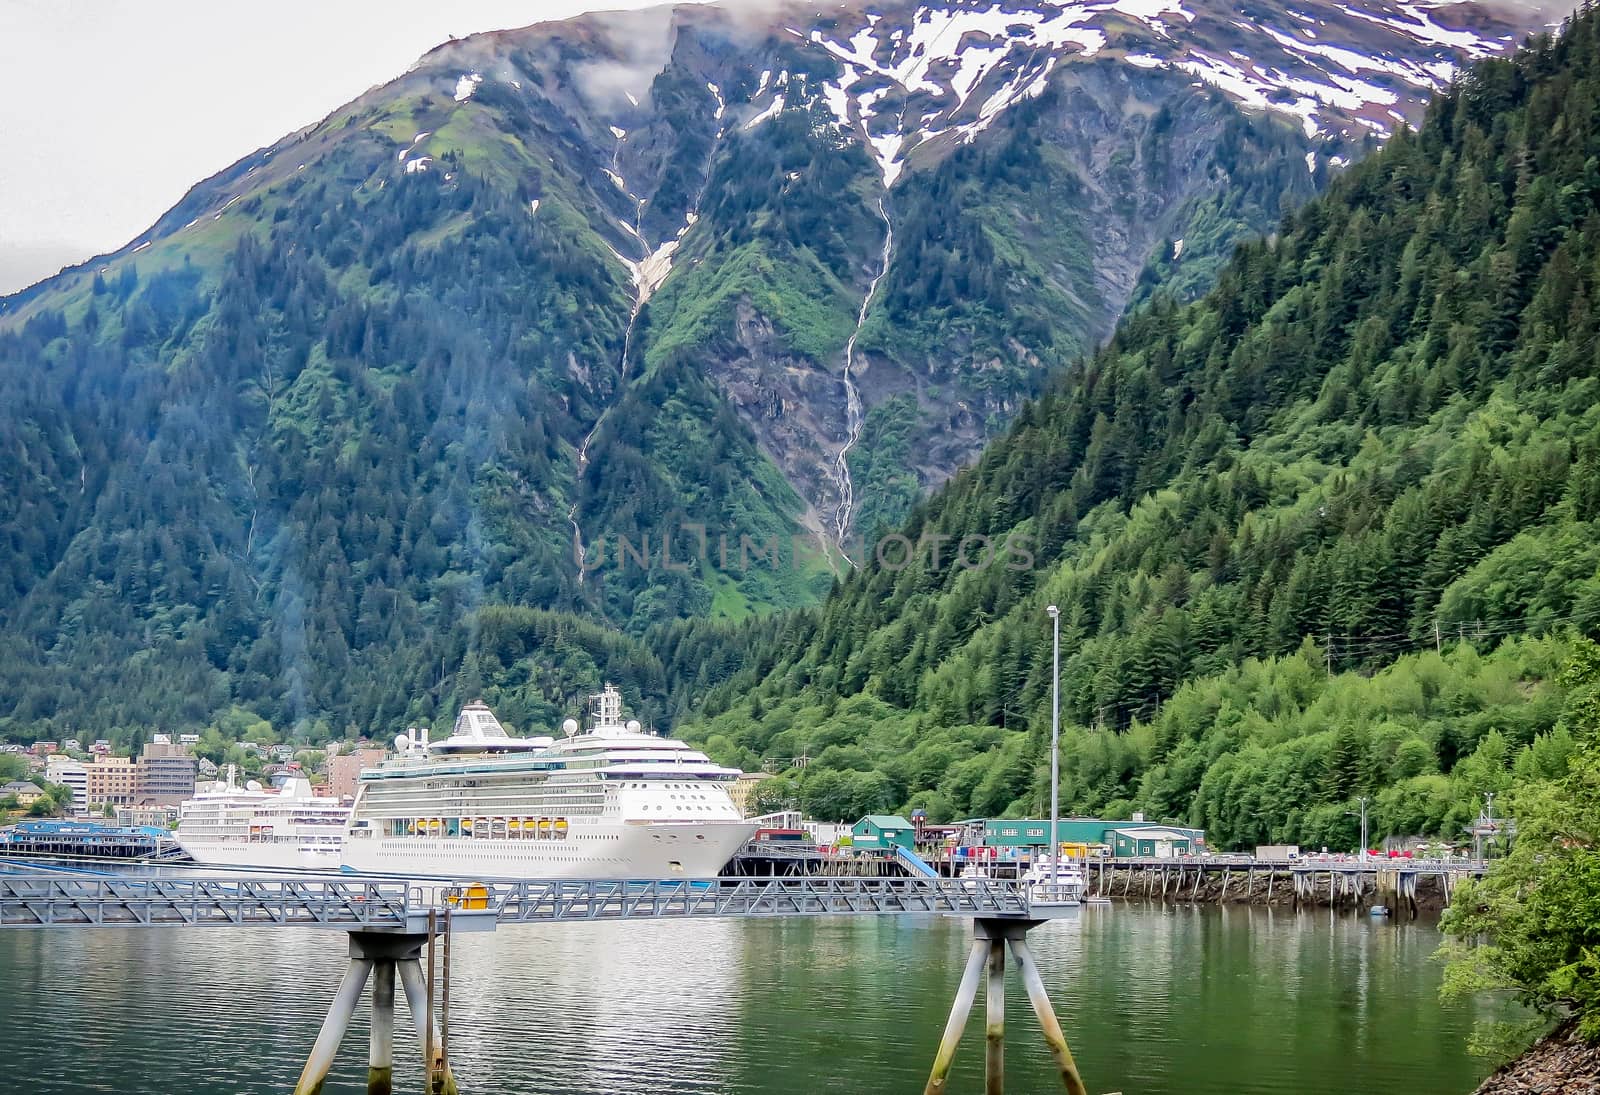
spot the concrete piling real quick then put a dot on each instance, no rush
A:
(440, 1081)
(991, 938)
(334, 1025)
(966, 993)
(380, 1050)
(376, 958)
(1053, 1036)
(994, 1030)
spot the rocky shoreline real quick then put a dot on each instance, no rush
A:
(1560, 1063)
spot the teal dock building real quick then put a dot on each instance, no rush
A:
(883, 831)
(1123, 839)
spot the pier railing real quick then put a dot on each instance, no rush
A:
(39, 900)
(67, 901)
(521, 902)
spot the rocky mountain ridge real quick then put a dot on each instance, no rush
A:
(678, 277)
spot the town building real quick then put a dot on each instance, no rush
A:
(158, 817)
(62, 769)
(345, 769)
(883, 831)
(111, 781)
(826, 834)
(26, 793)
(166, 773)
(1088, 835)
(743, 791)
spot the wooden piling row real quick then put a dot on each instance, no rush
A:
(1396, 887)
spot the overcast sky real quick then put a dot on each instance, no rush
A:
(111, 109)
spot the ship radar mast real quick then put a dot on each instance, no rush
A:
(605, 709)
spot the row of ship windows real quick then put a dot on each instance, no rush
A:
(489, 828)
(268, 838)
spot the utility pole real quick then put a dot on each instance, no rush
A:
(1055, 742)
(1438, 643)
(1488, 816)
(1362, 801)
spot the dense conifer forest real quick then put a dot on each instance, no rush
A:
(1324, 533)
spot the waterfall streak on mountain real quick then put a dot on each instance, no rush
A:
(852, 396)
(648, 274)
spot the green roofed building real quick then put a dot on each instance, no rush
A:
(1123, 838)
(882, 831)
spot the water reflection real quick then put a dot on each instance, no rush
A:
(1154, 1000)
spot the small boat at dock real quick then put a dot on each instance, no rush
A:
(1064, 884)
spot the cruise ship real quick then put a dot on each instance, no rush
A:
(609, 801)
(287, 828)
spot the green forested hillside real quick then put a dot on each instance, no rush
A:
(1378, 436)
(286, 458)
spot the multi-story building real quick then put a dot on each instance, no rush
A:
(112, 781)
(166, 773)
(160, 817)
(345, 768)
(62, 769)
(743, 791)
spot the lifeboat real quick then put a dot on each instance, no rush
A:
(466, 825)
(561, 828)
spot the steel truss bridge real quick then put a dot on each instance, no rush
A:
(374, 905)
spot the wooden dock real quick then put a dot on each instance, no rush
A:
(1406, 887)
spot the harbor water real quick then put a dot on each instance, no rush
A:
(1155, 1001)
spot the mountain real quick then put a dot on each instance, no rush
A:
(626, 320)
(1325, 536)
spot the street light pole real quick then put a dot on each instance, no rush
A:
(1055, 743)
(1363, 827)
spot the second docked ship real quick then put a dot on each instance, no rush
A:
(609, 801)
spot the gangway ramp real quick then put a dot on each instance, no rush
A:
(915, 862)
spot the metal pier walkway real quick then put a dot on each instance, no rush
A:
(393, 926)
(370, 905)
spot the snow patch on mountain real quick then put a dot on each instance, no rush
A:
(1417, 23)
(953, 68)
(773, 108)
(466, 85)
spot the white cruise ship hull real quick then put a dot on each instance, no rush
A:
(631, 850)
(281, 856)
